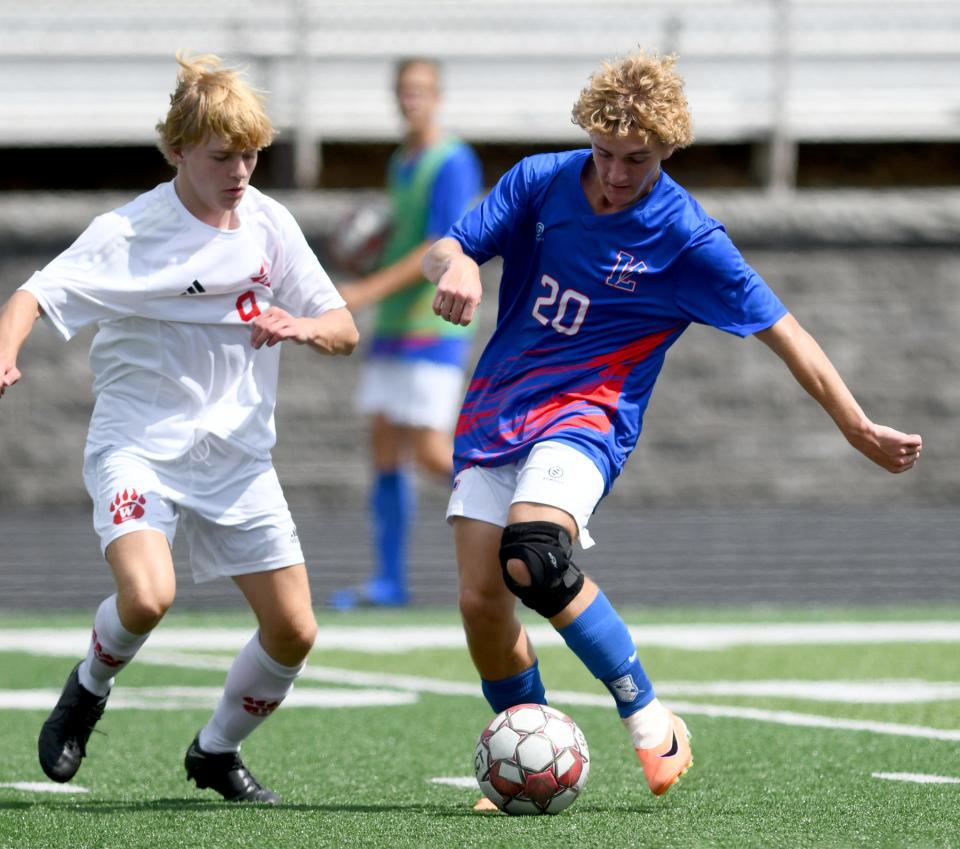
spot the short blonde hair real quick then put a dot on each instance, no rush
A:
(638, 93)
(211, 100)
(401, 66)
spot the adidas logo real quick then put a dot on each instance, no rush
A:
(194, 289)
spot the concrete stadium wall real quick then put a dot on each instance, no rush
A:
(875, 277)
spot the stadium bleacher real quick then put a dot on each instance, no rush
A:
(98, 72)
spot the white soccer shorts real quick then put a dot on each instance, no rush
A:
(412, 393)
(553, 473)
(234, 515)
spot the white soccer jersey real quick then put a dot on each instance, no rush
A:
(172, 358)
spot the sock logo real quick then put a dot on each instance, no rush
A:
(260, 707)
(127, 505)
(104, 657)
(624, 689)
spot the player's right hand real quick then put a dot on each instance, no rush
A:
(459, 291)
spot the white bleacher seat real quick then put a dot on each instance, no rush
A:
(99, 71)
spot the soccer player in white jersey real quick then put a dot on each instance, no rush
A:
(194, 285)
(606, 261)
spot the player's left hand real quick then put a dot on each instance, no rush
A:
(892, 450)
(274, 326)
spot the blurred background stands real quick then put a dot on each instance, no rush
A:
(773, 75)
(740, 490)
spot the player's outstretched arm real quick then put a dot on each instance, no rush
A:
(331, 333)
(17, 318)
(457, 278)
(894, 451)
(385, 281)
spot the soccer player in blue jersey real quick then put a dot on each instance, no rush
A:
(412, 380)
(606, 261)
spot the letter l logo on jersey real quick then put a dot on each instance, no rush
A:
(621, 277)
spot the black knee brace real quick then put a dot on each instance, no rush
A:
(545, 548)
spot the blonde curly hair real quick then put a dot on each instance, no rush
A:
(636, 93)
(212, 100)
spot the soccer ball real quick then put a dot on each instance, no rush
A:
(532, 759)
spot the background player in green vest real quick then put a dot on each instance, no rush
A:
(412, 381)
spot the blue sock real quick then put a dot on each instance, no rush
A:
(521, 689)
(393, 503)
(599, 637)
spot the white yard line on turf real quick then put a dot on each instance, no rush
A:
(419, 684)
(187, 698)
(325, 674)
(875, 692)
(916, 777)
(887, 691)
(73, 643)
(467, 781)
(403, 638)
(854, 692)
(809, 720)
(43, 787)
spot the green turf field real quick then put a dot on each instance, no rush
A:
(810, 729)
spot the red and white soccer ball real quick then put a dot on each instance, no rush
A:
(532, 759)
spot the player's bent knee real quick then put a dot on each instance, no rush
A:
(308, 635)
(143, 613)
(296, 639)
(478, 608)
(288, 646)
(303, 635)
(546, 550)
(518, 570)
(471, 604)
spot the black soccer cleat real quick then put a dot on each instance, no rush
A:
(62, 744)
(225, 773)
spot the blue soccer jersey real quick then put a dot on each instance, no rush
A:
(588, 306)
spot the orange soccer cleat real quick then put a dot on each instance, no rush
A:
(664, 764)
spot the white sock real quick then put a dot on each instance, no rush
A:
(649, 726)
(112, 647)
(256, 684)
